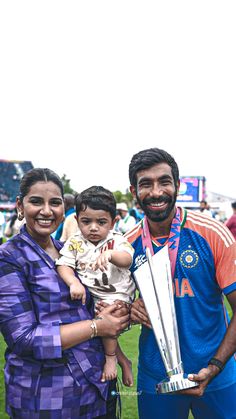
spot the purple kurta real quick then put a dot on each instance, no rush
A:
(42, 381)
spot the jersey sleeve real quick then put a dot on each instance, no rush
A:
(225, 260)
(122, 244)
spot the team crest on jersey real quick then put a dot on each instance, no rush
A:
(189, 258)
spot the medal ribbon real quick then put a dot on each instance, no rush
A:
(173, 239)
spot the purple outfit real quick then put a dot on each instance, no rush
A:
(42, 380)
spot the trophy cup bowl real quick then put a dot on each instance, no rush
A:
(155, 285)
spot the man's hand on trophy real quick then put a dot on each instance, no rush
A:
(138, 313)
(204, 376)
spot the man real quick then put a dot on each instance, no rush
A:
(136, 212)
(69, 201)
(125, 221)
(203, 253)
(205, 208)
(231, 222)
(70, 226)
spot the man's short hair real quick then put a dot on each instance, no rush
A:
(148, 158)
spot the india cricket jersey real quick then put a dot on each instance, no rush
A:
(205, 270)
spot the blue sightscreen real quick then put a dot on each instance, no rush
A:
(191, 189)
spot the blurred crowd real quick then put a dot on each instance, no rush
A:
(126, 218)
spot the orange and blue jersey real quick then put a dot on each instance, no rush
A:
(205, 270)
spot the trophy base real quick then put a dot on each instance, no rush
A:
(176, 382)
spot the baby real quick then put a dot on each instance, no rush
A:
(101, 258)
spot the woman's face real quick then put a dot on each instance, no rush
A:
(43, 209)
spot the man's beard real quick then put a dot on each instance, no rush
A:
(158, 216)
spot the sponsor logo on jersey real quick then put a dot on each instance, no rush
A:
(139, 260)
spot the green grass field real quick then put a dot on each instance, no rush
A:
(129, 344)
(3, 415)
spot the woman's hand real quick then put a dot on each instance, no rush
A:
(122, 308)
(138, 313)
(112, 320)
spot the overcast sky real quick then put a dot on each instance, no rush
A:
(85, 85)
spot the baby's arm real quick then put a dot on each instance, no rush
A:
(77, 290)
(119, 258)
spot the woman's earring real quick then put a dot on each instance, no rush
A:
(20, 216)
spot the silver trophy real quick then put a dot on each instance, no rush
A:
(155, 284)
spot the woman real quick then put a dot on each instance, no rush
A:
(54, 361)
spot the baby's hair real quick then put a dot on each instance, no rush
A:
(97, 198)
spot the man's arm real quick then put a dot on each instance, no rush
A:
(226, 349)
(228, 345)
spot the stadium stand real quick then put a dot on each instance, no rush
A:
(11, 171)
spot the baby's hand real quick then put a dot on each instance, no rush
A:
(77, 292)
(102, 261)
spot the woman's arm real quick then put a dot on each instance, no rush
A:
(18, 323)
(107, 324)
(21, 330)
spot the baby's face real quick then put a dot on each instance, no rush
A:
(95, 224)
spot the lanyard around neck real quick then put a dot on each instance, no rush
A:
(173, 239)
